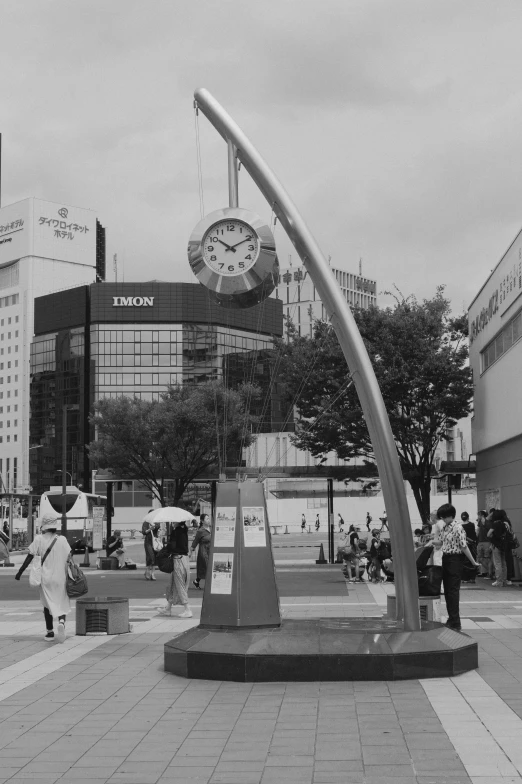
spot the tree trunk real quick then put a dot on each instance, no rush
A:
(421, 487)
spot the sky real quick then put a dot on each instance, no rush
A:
(395, 126)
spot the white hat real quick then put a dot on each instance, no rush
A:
(48, 521)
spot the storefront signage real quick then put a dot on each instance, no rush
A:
(132, 302)
(484, 317)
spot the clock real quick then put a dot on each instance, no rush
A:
(232, 253)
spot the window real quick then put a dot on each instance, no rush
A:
(16, 334)
(16, 319)
(15, 437)
(9, 319)
(16, 363)
(15, 423)
(8, 364)
(9, 336)
(502, 342)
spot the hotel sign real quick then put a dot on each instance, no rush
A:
(132, 302)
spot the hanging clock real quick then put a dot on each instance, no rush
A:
(232, 253)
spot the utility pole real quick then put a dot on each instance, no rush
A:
(115, 267)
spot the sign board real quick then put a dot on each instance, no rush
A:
(98, 513)
(34, 227)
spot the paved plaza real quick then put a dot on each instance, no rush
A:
(101, 709)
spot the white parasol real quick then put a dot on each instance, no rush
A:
(169, 514)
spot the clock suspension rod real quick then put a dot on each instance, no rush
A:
(233, 197)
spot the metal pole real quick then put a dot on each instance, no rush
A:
(233, 190)
(64, 471)
(448, 476)
(109, 517)
(352, 345)
(331, 555)
(30, 521)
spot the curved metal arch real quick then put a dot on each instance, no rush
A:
(353, 349)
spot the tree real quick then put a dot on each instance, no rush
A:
(191, 429)
(419, 354)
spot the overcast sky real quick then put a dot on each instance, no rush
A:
(395, 125)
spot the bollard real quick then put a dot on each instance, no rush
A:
(86, 562)
(321, 559)
(286, 529)
(309, 530)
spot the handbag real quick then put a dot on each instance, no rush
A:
(35, 575)
(157, 544)
(165, 560)
(430, 580)
(75, 580)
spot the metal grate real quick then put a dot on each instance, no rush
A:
(96, 621)
(423, 610)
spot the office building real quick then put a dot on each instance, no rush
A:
(495, 332)
(112, 339)
(43, 247)
(301, 302)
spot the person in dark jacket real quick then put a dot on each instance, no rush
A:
(177, 590)
(202, 541)
(497, 536)
(469, 572)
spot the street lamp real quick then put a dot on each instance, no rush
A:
(59, 471)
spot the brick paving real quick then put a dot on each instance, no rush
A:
(100, 709)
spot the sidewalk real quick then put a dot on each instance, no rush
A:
(101, 709)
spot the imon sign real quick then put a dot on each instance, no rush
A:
(129, 302)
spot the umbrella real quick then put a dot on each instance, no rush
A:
(168, 514)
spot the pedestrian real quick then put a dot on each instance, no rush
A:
(202, 542)
(368, 521)
(484, 547)
(150, 553)
(374, 572)
(6, 528)
(468, 573)
(116, 549)
(353, 556)
(303, 524)
(177, 590)
(54, 551)
(454, 546)
(4, 546)
(510, 567)
(497, 534)
(384, 521)
(341, 523)
(317, 523)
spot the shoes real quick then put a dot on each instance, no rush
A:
(508, 582)
(49, 637)
(196, 584)
(454, 626)
(185, 614)
(147, 576)
(60, 633)
(164, 611)
(497, 584)
(152, 578)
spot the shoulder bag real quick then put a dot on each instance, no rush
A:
(75, 580)
(157, 544)
(165, 560)
(35, 575)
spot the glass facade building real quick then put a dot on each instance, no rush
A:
(112, 339)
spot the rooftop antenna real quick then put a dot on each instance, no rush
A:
(360, 267)
(115, 267)
(289, 259)
(329, 261)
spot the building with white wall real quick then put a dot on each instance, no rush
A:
(44, 247)
(495, 328)
(301, 302)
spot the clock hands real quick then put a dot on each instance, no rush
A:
(233, 247)
(228, 247)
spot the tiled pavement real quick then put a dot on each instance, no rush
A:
(101, 709)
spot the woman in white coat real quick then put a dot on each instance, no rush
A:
(54, 551)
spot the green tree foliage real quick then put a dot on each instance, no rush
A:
(190, 430)
(419, 354)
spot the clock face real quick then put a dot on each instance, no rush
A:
(230, 247)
